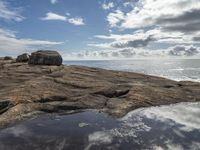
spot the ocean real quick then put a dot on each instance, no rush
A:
(175, 69)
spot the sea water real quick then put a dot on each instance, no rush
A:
(175, 69)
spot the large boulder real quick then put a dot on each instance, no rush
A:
(22, 58)
(8, 58)
(44, 57)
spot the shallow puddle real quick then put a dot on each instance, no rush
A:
(167, 127)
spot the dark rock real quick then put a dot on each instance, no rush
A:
(8, 58)
(44, 57)
(4, 105)
(113, 92)
(22, 58)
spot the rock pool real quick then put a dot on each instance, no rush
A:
(172, 127)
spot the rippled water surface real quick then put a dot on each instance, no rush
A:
(173, 127)
(176, 69)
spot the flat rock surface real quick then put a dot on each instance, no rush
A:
(29, 90)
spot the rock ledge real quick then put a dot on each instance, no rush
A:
(28, 90)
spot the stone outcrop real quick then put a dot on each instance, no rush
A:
(8, 58)
(22, 58)
(29, 90)
(44, 57)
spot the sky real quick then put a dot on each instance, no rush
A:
(101, 29)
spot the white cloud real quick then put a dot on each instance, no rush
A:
(155, 25)
(53, 16)
(72, 20)
(182, 50)
(106, 51)
(128, 53)
(68, 14)
(115, 17)
(53, 1)
(10, 14)
(108, 5)
(144, 39)
(10, 44)
(137, 39)
(76, 21)
(167, 14)
(156, 33)
(127, 4)
(101, 45)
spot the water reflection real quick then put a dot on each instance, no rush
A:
(173, 127)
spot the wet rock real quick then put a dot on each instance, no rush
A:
(44, 57)
(22, 58)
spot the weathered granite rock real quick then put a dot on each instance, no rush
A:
(22, 58)
(29, 90)
(43, 57)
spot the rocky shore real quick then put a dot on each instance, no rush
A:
(34, 86)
